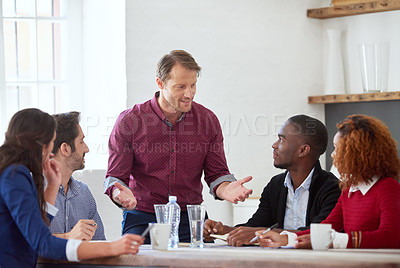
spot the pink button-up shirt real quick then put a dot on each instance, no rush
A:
(157, 159)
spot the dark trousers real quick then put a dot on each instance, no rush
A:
(135, 222)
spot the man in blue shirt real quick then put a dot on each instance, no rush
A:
(77, 215)
(302, 195)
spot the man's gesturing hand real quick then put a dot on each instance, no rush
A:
(124, 196)
(234, 191)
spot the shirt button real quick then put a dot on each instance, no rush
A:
(173, 150)
(172, 171)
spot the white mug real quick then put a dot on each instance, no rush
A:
(322, 236)
(159, 236)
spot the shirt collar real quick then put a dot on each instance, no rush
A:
(73, 187)
(306, 183)
(157, 109)
(363, 187)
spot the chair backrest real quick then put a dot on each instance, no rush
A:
(110, 214)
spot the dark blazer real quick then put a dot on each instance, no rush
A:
(324, 193)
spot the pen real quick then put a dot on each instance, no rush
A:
(269, 229)
(147, 229)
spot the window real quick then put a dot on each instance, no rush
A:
(61, 56)
(34, 54)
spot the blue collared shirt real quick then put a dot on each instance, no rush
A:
(296, 203)
(78, 204)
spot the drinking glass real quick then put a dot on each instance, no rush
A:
(161, 213)
(197, 215)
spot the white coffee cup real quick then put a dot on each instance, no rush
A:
(322, 236)
(159, 236)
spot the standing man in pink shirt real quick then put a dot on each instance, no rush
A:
(161, 148)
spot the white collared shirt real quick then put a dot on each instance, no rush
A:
(296, 203)
(363, 187)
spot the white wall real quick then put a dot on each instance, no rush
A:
(260, 60)
(104, 80)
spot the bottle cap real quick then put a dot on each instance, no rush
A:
(172, 198)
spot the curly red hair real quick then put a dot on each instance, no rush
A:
(365, 148)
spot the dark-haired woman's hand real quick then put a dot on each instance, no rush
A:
(52, 173)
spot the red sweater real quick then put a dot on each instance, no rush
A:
(377, 215)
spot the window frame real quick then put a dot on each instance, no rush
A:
(56, 82)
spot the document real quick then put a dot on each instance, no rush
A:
(222, 237)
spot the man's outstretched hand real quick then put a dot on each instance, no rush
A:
(124, 196)
(234, 191)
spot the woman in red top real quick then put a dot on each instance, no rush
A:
(367, 214)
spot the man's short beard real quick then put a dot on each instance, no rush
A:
(73, 163)
(282, 166)
(82, 166)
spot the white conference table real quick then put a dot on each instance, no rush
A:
(225, 256)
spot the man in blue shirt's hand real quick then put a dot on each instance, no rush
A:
(77, 216)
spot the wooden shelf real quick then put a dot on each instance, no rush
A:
(353, 9)
(383, 96)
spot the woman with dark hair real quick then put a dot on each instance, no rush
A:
(25, 157)
(368, 211)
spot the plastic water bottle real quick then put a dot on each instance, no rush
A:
(174, 217)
